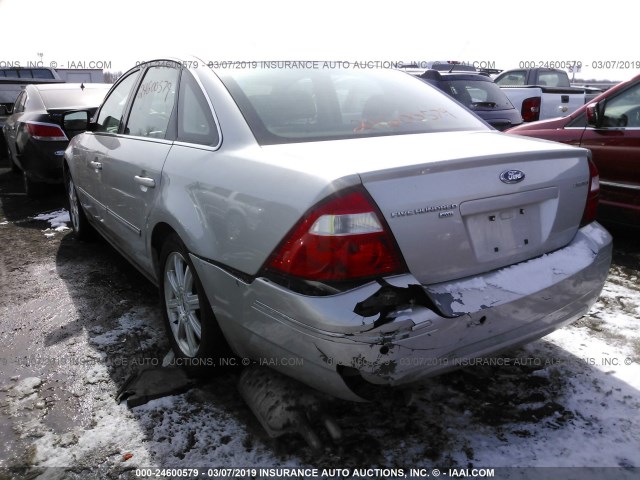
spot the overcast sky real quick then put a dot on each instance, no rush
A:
(500, 34)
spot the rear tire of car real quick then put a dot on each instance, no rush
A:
(195, 336)
(81, 226)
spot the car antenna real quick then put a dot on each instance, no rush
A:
(82, 86)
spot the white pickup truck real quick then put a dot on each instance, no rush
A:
(541, 93)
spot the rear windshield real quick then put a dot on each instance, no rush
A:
(478, 94)
(74, 98)
(299, 105)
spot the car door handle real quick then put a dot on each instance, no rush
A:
(96, 165)
(145, 181)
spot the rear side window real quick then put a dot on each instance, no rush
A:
(553, 79)
(110, 116)
(195, 120)
(27, 73)
(478, 94)
(517, 77)
(42, 73)
(20, 102)
(153, 104)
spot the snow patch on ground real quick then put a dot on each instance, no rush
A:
(26, 387)
(58, 221)
(139, 323)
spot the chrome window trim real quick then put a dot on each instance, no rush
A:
(613, 129)
(626, 186)
(134, 137)
(197, 145)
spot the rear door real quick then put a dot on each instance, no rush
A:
(616, 150)
(132, 168)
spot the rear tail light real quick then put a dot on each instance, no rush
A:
(46, 131)
(591, 208)
(341, 238)
(531, 109)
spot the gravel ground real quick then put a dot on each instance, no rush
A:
(76, 319)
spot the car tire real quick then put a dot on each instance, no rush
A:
(195, 336)
(81, 226)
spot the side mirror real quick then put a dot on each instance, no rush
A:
(74, 123)
(594, 115)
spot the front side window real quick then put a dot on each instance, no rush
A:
(112, 111)
(579, 122)
(623, 110)
(153, 104)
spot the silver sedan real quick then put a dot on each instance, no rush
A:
(349, 228)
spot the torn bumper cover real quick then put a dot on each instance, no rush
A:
(431, 329)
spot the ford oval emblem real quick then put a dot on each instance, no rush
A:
(512, 176)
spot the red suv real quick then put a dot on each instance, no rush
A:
(609, 126)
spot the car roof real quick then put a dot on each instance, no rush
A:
(71, 86)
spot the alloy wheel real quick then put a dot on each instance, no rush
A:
(182, 304)
(74, 209)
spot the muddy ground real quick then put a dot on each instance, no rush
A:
(76, 319)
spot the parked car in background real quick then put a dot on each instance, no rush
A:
(12, 82)
(39, 130)
(391, 234)
(609, 127)
(478, 93)
(541, 93)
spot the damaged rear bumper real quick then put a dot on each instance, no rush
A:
(326, 341)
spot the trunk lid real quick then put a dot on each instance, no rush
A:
(482, 205)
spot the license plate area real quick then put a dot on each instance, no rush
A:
(504, 232)
(507, 225)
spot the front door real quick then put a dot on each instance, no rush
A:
(96, 145)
